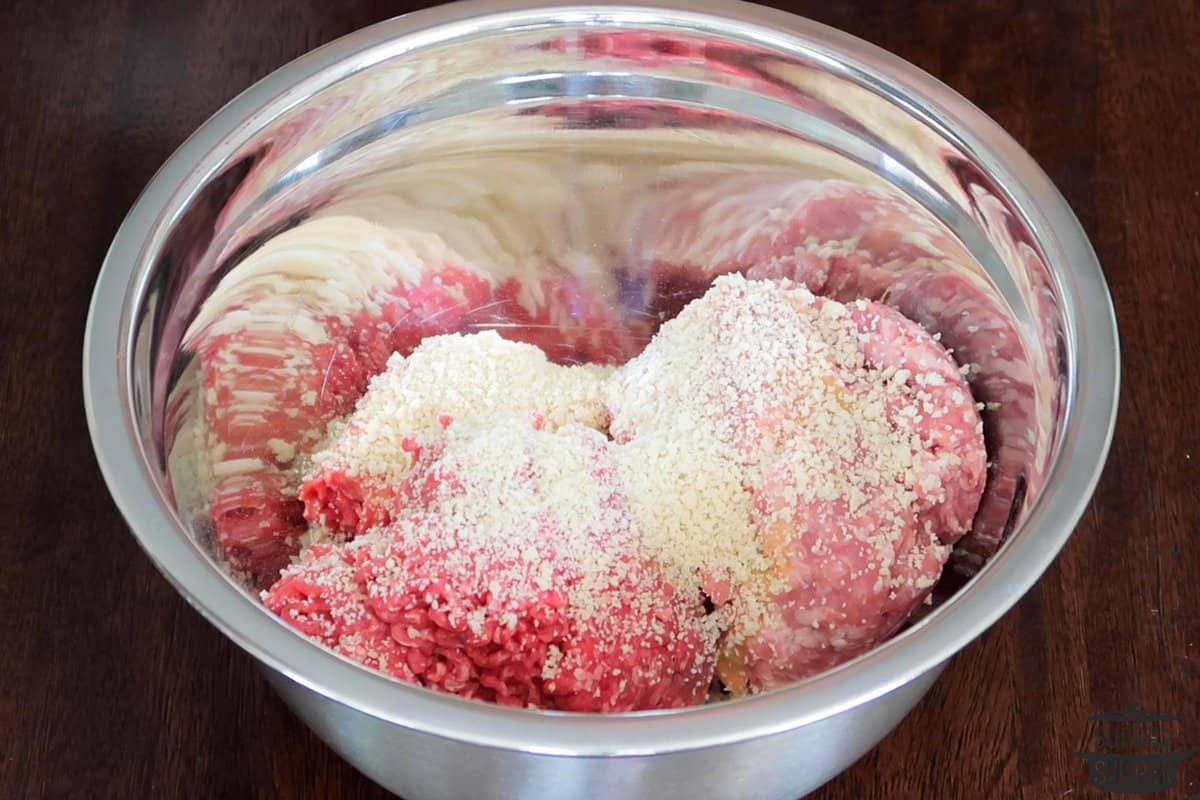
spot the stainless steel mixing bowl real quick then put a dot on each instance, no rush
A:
(510, 114)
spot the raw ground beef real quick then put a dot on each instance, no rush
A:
(511, 573)
(846, 241)
(855, 574)
(357, 473)
(802, 466)
(858, 441)
(292, 336)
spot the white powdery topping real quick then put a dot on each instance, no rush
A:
(731, 360)
(316, 534)
(691, 507)
(553, 659)
(505, 473)
(760, 387)
(448, 377)
(524, 510)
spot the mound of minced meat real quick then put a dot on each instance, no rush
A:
(766, 491)
(499, 486)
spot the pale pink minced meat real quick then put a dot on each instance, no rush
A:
(856, 440)
(513, 572)
(768, 490)
(847, 241)
(803, 464)
(292, 335)
(857, 564)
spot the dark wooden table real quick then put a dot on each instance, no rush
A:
(111, 686)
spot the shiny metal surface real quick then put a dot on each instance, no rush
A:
(554, 123)
(784, 765)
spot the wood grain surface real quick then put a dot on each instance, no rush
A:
(112, 687)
